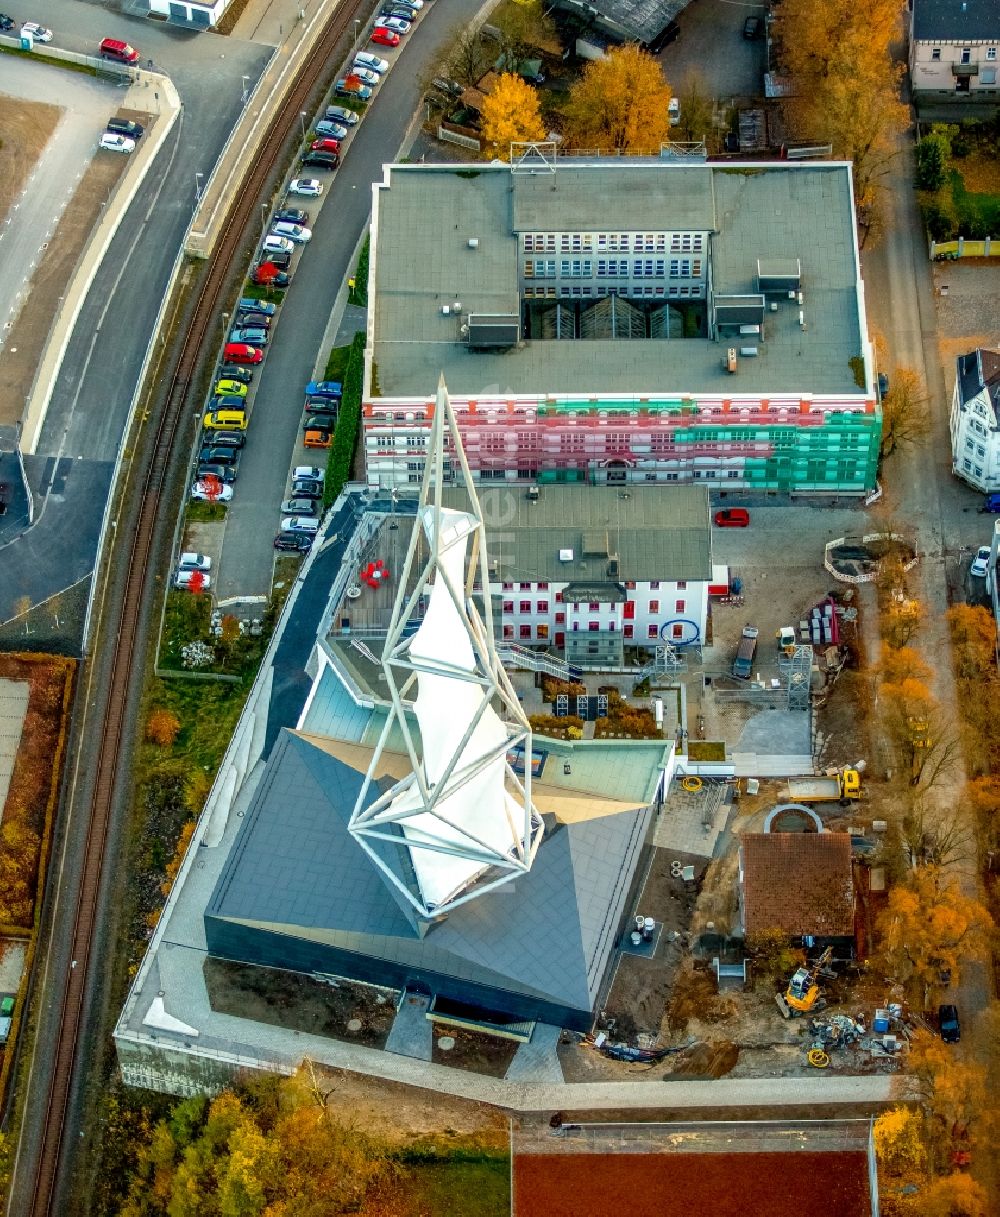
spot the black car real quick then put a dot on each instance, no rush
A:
(248, 318)
(219, 454)
(281, 258)
(670, 33)
(292, 215)
(306, 488)
(297, 542)
(235, 371)
(948, 1024)
(225, 439)
(319, 404)
(6, 23)
(320, 160)
(753, 28)
(225, 473)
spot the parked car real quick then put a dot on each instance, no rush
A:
(444, 85)
(291, 215)
(325, 145)
(232, 371)
(321, 160)
(277, 259)
(6, 23)
(296, 542)
(299, 506)
(270, 278)
(883, 385)
(331, 130)
(308, 524)
(226, 420)
(220, 454)
(306, 488)
(226, 439)
(308, 471)
(317, 437)
(398, 25)
(324, 388)
(239, 352)
(210, 469)
(753, 28)
(732, 517)
(294, 232)
(325, 420)
(348, 87)
(38, 32)
(190, 560)
(278, 245)
(248, 303)
(384, 37)
(212, 491)
(341, 114)
(366, 75)
(981, 562)
(121, 52)
(230, 388)
(187, 579)
(948, 1024)
(322, 407)
(125, 126)
(674, 110)
(307, 186)
(228, 401)
(116, 143)
(261, 320)
(255, 335)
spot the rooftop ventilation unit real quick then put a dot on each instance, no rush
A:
(779, 274)
(493, 331)
(565, 555)
(473, 242)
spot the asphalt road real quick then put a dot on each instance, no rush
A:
(297, 344)
(89, 407)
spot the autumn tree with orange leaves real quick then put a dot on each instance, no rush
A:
(510, 115)
(845, 82)
(927, 927)
(619, 104)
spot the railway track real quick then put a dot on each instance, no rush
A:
(124, 617)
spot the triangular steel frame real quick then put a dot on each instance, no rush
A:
(380, 820)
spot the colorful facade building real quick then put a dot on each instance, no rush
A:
(718, 337)
(975, 419)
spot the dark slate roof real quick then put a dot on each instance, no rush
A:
(638, 19)
(799, 883)
(979, 370)
(295, 869)
(956, 20)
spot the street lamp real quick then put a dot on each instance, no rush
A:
(302, 120)
(263, 225)
(357, 27)
(245, 91)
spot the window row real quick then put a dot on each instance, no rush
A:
(540, 633)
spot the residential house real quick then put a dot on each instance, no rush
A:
(953, 51)
(975, 438)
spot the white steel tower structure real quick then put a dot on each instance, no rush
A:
(462, 822)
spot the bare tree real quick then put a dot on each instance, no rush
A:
(904, 412)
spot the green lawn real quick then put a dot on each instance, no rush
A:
(461, 1189)
(978, 214)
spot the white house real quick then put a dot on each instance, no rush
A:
(953, 51)
(586, 571)
(975, 437)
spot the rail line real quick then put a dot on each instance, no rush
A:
(124, 616)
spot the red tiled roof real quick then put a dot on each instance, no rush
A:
(799, 883)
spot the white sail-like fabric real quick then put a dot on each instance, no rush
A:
(444, 707)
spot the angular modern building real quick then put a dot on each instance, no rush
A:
(632, 321)
(385, 824)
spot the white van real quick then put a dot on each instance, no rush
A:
(183, 579)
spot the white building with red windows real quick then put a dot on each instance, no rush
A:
(589, 572)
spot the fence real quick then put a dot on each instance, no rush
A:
(963, 248)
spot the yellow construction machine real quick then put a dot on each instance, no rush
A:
(804, 988)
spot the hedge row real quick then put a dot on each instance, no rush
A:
(345, 435)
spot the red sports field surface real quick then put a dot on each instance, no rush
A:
(691, 1185)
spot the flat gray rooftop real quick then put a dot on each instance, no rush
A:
(426, 216)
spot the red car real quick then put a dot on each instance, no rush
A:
(732, 517)
(383, 37)
(325, 145)
(239, 352)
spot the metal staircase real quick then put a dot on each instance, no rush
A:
(665, 662)
(512, 656)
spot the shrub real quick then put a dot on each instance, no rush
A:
(162, 727)
(930, 164)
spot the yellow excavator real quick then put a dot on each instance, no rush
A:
(803, 991)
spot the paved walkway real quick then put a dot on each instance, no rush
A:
(412, 1032)
(537, 1060)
